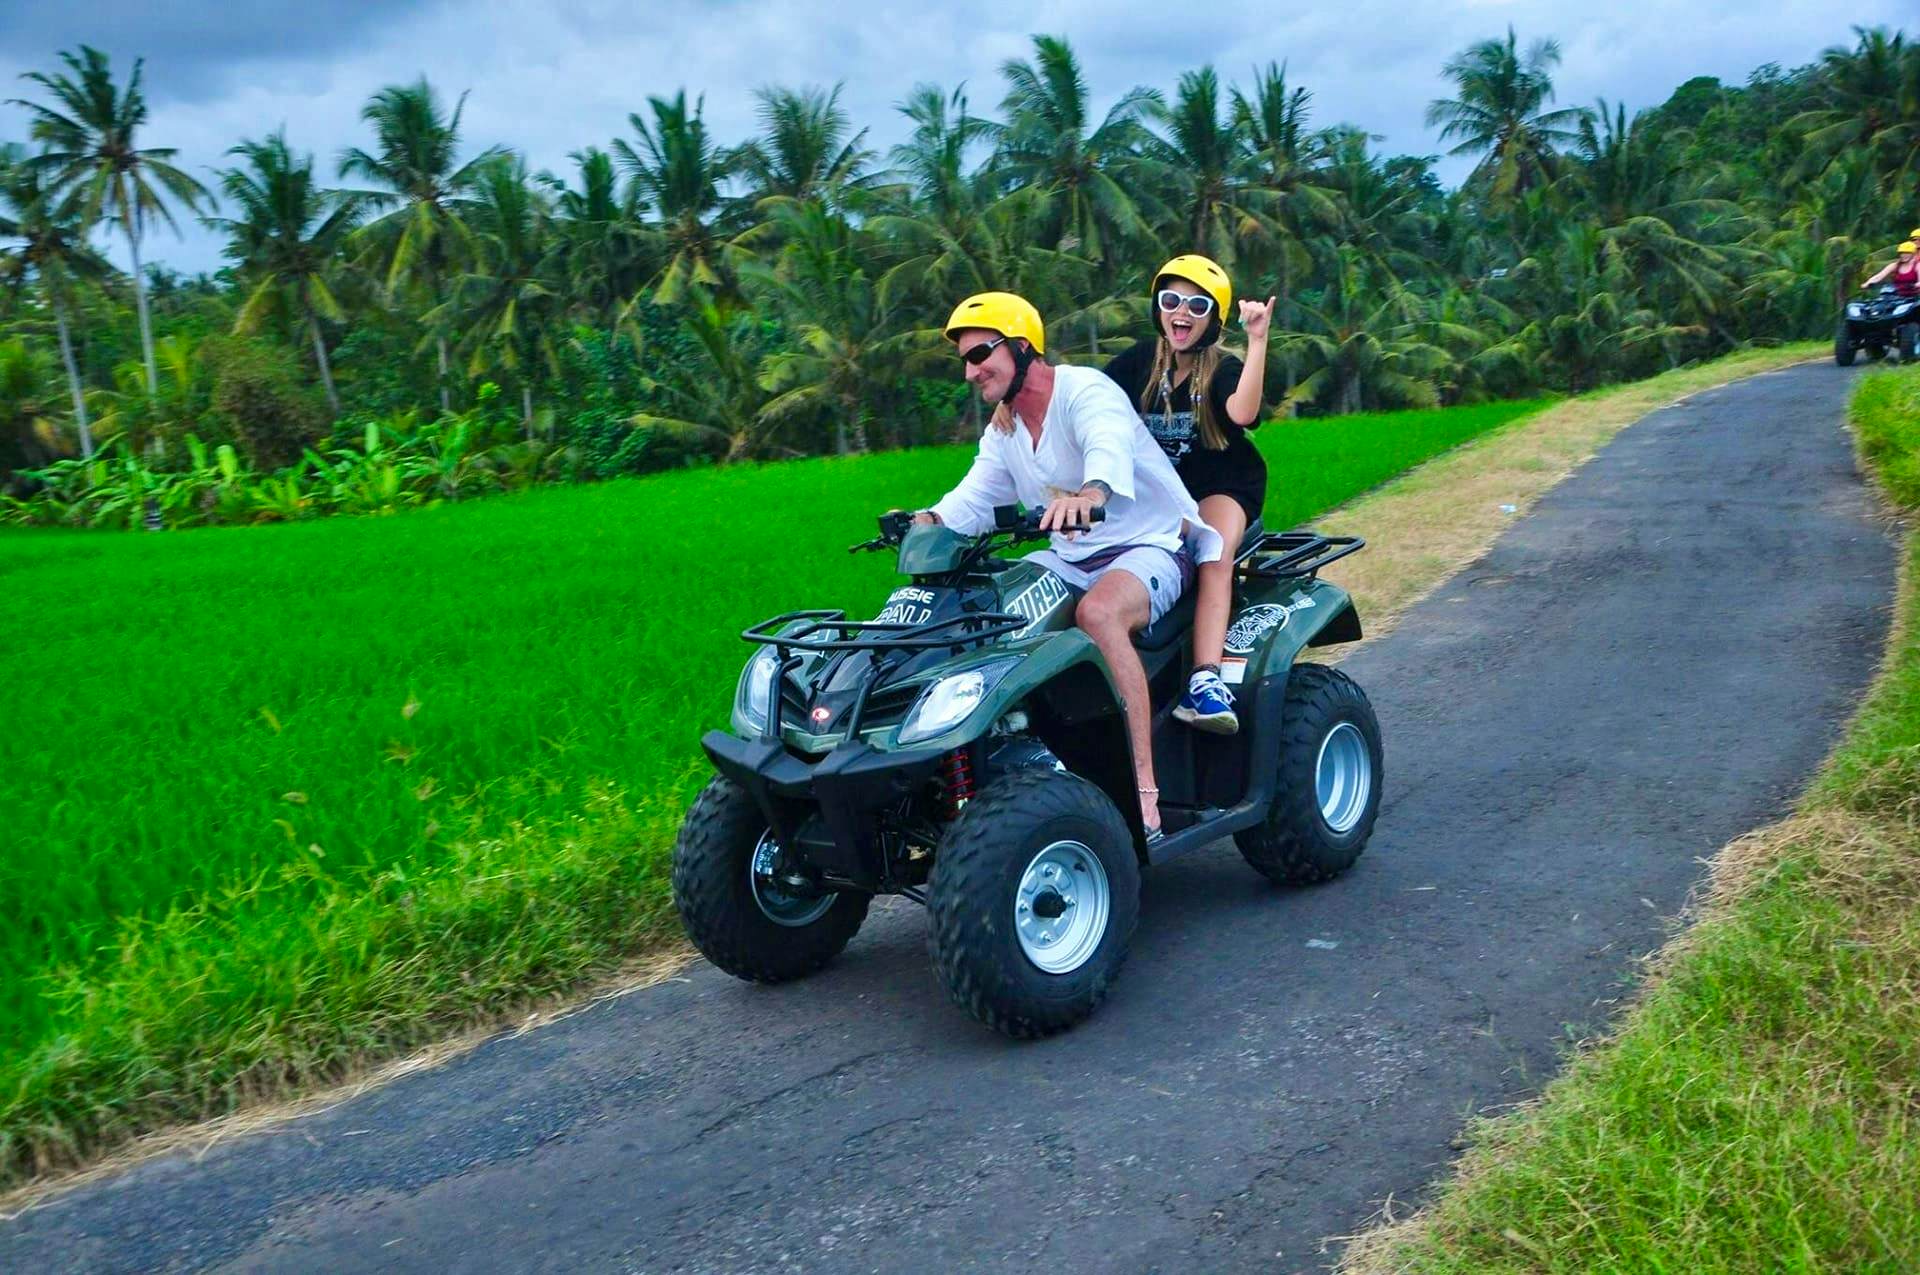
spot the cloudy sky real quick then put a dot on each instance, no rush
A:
(549, 76)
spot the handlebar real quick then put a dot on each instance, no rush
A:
(1007, 520)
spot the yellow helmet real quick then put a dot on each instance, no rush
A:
(1914, 234)
(1001, 312)
(1202, 272)
(1908, 246)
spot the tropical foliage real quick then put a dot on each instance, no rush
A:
(676, 295)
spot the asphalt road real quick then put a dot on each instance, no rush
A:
(1649, 664)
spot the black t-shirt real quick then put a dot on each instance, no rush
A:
(1237, 470)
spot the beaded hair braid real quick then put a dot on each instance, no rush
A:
(1160, 385)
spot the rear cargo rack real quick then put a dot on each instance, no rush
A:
(1296, 554)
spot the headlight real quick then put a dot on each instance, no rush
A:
(951, 700)
(1854, 310)
(1902, 309)
(755, 696)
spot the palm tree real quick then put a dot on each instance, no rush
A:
(807, 148)
(845, 343)
(715, 395)
(1213, 167)
(1364, 345)
(1090, 178)
(932, 162)
(605, 252)
(678, 170)
(414, 161)
(53, 250)
(509, 302)
(91, 153)
(287, 237)
(1286, 157)
(1872, 101)
(28, 436)
(1497, 114)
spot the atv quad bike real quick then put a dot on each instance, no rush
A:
(1885, 319)
(966, 748)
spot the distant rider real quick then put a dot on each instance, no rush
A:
(1903, 270)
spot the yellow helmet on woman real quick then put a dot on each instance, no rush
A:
(1203, 272)
(1908, 246)
(1001, 312)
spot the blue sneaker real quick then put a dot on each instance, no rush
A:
(1207, 705)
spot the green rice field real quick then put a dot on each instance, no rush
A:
(278, 800)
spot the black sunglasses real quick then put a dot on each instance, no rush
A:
(1198, 307)
(982, 352)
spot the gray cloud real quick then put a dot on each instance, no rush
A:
(195, 51)
(550, 76)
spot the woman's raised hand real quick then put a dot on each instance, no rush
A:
(1254, 317)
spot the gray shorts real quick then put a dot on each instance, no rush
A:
(1165, 574)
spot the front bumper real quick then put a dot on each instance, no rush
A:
(848, 788)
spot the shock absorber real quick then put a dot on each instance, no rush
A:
(957, 771)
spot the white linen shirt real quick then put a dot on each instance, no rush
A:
(1091, 432)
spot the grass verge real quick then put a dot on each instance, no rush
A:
(1756, 1108)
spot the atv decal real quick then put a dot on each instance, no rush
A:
(1256, 622)
(1037, 601)
(908, 606)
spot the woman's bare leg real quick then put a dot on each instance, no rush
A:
(1224, 515)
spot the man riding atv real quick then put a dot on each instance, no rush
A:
(1073, 444)
(984, 746)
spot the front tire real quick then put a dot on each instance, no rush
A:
(735, 911)
(1843, 347)
(1328, 794)
(1909, 340)
(1034, 895)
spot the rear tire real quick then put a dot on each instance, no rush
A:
(1000, 917)
(724, 910)
(1328, 795)
(1842, 347)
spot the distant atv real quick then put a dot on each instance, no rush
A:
(1876, 324)
(966, 748)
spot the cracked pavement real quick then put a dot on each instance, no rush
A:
(1650, 663)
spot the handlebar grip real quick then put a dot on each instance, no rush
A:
(1029, 524)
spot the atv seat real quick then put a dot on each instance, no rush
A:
(1172, 626)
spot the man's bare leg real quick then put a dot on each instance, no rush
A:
(1114, 609)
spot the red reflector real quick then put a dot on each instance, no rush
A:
(821, 716)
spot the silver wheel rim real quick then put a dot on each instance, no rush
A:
(1343, 777)
(778, 903)
(1060, 910)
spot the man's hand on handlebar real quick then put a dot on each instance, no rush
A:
(1074, 513)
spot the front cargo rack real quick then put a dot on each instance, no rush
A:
(832, 634)
(973, 629)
